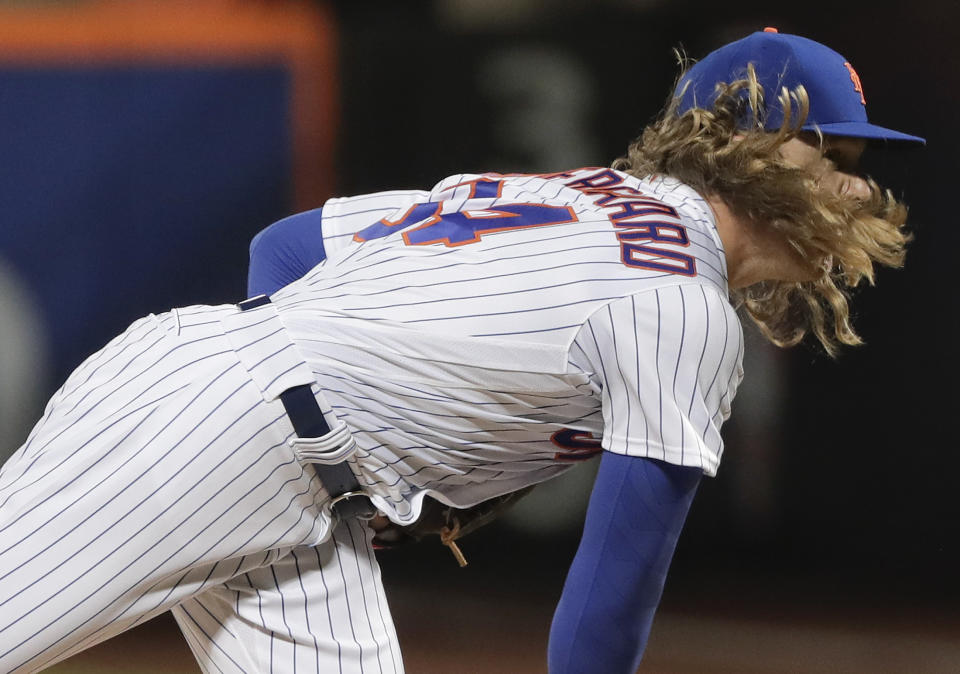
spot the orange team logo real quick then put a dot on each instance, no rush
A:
(855, 78)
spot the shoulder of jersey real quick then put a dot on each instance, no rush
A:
(585, 189)
(649, 215)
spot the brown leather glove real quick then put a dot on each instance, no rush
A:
(439, 519)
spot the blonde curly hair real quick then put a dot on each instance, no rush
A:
(711, 151)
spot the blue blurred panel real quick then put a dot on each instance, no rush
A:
(126, 190)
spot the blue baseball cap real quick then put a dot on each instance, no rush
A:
(837, 104)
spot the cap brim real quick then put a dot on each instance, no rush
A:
(864, 130)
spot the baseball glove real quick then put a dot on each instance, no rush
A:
(438, 519)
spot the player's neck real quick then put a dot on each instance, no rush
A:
(754, 251)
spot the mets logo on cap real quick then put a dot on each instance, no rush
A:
(855, 78)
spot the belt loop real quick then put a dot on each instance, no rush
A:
(254, 302)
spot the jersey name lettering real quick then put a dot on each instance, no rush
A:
(641, 222)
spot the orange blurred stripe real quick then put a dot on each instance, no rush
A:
(299, 34)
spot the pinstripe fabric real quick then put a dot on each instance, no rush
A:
(455, 364)
(669, 399)
(157, 471)
(354, 213)
(315, 610)
(162, 475)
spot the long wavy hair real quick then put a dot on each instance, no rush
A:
(711, 151)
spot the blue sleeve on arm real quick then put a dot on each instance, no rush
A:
(637, 510)
(285, 251)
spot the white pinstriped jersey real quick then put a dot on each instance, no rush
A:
(460, 331)
(469, 337)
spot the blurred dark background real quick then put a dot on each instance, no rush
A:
(138, 162)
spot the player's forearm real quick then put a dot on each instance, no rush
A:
(636, 513)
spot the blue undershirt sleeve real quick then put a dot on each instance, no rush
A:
(637, 509)
(285, 251)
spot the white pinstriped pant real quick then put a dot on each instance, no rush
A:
(160, 479)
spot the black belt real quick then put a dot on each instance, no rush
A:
(347, 498)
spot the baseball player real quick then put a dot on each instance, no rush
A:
(461, 343)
